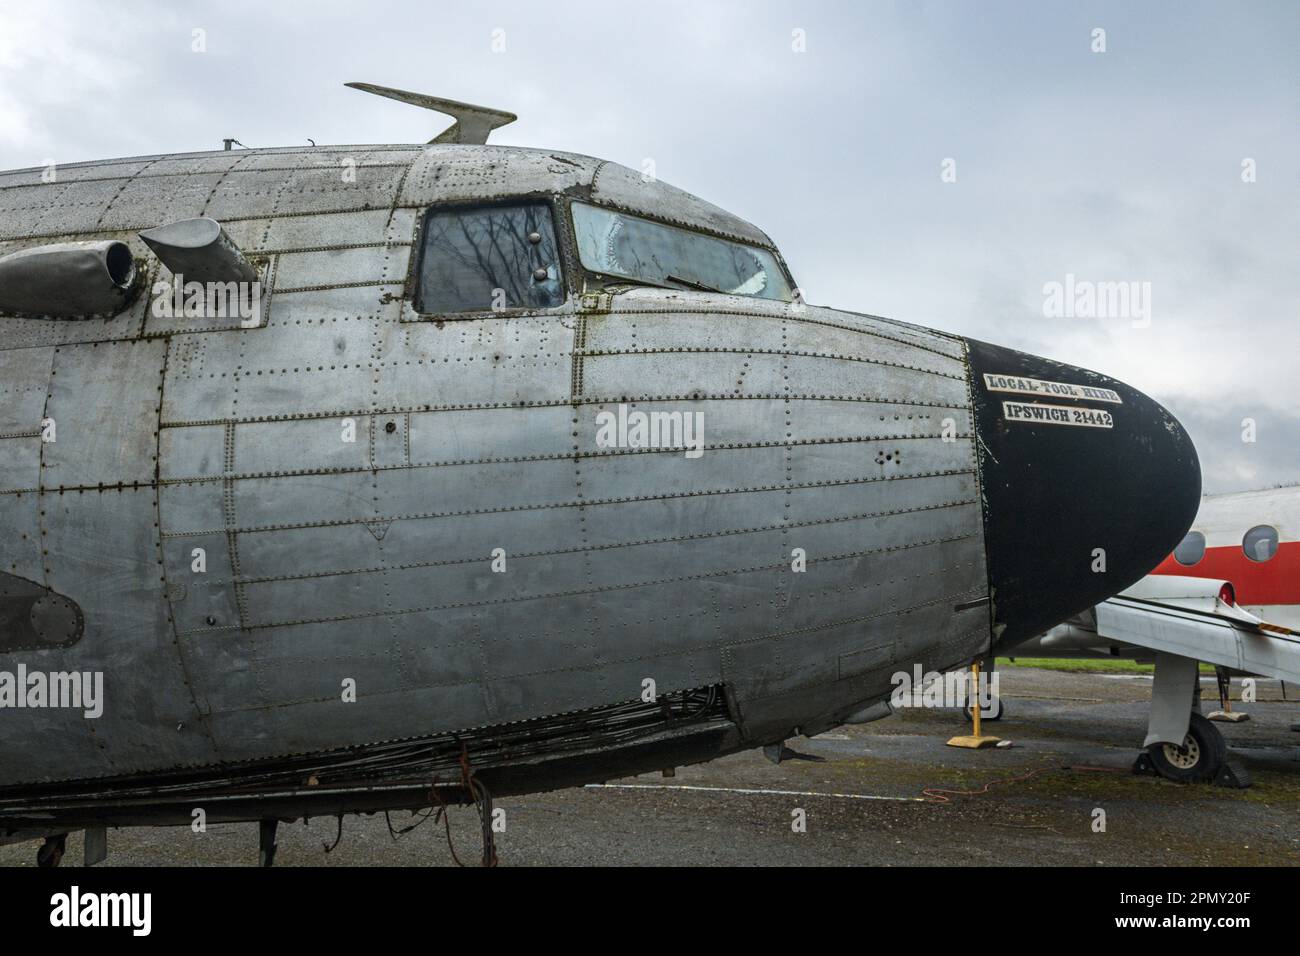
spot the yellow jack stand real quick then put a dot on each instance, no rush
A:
(975, 741)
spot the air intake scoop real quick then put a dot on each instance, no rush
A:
(199, 250)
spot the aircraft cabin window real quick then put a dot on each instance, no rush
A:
(1260, 543)
(1191, 549)
(623, 246)
(489, 258)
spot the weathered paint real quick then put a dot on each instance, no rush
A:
(848, 436)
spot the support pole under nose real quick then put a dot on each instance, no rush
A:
(975, 741)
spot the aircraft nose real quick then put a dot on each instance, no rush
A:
(1088, 484)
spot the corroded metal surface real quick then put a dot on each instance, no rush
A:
(847, 436)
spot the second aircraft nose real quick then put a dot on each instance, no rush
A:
(1088, 484)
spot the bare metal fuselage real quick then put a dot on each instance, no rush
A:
(330, 563)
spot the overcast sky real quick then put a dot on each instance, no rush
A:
(1123, 165)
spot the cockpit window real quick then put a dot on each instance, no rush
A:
(489, 258)
(624, 246)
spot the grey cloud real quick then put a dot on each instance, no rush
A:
(1227, 462)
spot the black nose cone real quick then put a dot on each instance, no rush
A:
(1088, 484)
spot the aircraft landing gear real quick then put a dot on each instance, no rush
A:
(266, 844)
(1202, 755)
(994, 711)
(1198, 760)
(51, 851)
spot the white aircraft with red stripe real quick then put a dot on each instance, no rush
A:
(1251, 539)
(1229, 595)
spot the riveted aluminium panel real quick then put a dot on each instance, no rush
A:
(336, 266)
(371, 594)
(78, 207)
(149, 201)
(329, 158)
(320, 332)
(246, 191)
(23, 203)
(20, 545)
(649, 471)
(24, 380)
(323, 550)
(194, 451)
(301, 724)
(280, 690)
(104, 554)
(197, 164)
(610, 520)
(302, 445)
(769, 329)
(265, 374)
(822, 432)
(203, 384)
(20, 463)
(744, 373)
(356, 496)
(853, 462)
(476, 362)
(326, 230)
(50, 743)
(190, 507)
(56, 208)
(231, 307)
(620, 186)
(104, 400)
(71, 172)
(328, 549)
(811, 502)
(309, 359)
(861, 449)
(201, 585)
(389, 440)
(926, 340)
(453, 173)
(473, 434)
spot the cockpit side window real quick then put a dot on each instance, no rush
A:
(489, 258)
(620, 245)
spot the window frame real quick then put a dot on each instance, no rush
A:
(563, 246)
(606, 279)
(1200, 557)
(1277, 543)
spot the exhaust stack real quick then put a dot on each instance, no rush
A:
(68, 280)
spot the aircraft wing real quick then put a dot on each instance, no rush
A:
(1232, 640)
(1171, 614)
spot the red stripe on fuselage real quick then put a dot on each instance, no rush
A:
(1276, 581)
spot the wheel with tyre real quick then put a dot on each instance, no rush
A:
(50, 853)
(994, 711)
(1198, 759)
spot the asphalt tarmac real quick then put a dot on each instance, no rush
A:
(871, 800)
